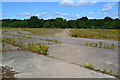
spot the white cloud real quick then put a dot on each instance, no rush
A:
(67, 3)
(41, 14)
(48, 18)
(57, 13)
(108, 6)
(4, 14)
(91, 13)
(115, 17)
(24, 14)
(74, 16)
(90, 17)
(64, 14)
(60, 14)
(28, 15)
(70, 3)
(84, 3)
(105, 13)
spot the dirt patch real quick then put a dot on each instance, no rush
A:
(64, 33)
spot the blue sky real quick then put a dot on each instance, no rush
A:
(67, 9)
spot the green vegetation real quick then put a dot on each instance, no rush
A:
(100, 44)
(91, 66)
(9, 41)
(112, 46)
(34, 47)
(84, 22)
(38, 48)
(29, 37)
(105, 46)
(3, 45)
(42, 31)
(95, 33)
(52, 40)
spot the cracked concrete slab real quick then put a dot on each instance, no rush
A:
(32, 65)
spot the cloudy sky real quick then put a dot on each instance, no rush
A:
(67, 9)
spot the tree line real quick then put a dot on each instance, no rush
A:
(83, 22)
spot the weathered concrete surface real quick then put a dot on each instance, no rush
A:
(77, 54)
(64, 33)
(32, 65)
(70, 50)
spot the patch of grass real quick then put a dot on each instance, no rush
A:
(52, 40)
(104, 71)
(95, 33)
(100, 44)
(34, 47)
(105, 46)
(42, 31)
(89, 65)
(38, 48)
(112, 46)
(9, 41)
(29, 37)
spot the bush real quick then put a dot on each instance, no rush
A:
(100, 44)
(112, 46)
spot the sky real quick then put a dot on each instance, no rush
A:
(67, 9)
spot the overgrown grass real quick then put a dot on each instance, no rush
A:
(95, 33)
(42, 31)
(34, 47)
(100, 44)
(91, 66)
(29, 37)
(104, 71)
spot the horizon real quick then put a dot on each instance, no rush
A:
(59, 17)
(66, 9)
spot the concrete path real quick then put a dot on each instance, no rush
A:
(32, 65)
(69, 51)
(64, 33)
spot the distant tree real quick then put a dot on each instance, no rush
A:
(84, 22)
(34, 22)
(83, 18)
(108, 18)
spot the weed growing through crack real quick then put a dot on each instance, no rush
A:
(101, 45)
(34, 47)
(89, 65)
(38, 48)
(29, 37)
(92, 67)
(86, 44)
(112, 46)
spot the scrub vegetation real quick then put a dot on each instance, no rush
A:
(100, 44)
(34, 47)
(42, 31)
(84, 22)
(95, 33)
